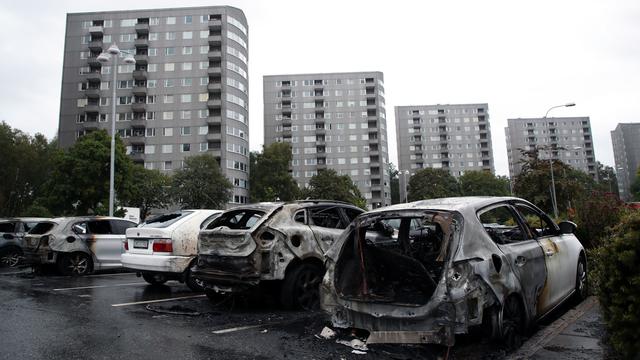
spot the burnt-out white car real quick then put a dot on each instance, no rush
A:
(280, 244)
(425, 271)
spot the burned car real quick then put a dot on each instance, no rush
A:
(425, 271)
(77, 245)
(11, 233)
(267, 242)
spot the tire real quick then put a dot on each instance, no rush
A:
(512, 324)
(154, 279)
(301, 287)
(582, 286)
(217, 298)
(192, 283)
(75, 264)
(10, 257)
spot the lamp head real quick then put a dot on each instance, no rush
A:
(104, 57)
(129, 59)
(113, 49)
(570, 104)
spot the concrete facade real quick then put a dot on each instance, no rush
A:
(571, 136)
(186, 95)
(626, 152)
(333, 121)
(454, 137)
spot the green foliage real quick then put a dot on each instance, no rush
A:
(395, 183)
(607, 179)
(595, 214)
(619, 285)
(328, 185)
(483, 183)
(269, 174)
(148, 189)
(25, 165)
(36, 210)
(79, 182)
(201, 184)
(432, 183)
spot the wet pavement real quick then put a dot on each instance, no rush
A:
(119, 316)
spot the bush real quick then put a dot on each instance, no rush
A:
(595, 214)
(618, 269)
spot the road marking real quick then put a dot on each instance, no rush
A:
(159, 300)
(239, 328)
(116, 274)
(98, 286)
(16, 273)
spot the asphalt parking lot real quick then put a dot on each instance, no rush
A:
(119, 316)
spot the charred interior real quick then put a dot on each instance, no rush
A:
(393, 258)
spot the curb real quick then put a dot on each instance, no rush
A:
(544, 336)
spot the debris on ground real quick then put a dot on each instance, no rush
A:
(326, 333)
(358, 352)
(355, 344)
(173, 310)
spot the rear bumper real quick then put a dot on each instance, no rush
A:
(164, 264)
(39, 256)
(226, 273)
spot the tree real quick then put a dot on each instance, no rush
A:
(432, 183)
(201, 184)
(147, 190)
(483, 183)
(395, 183)
(328, 185)
(607, 179)
(269, 174)
(79, 182)
(25, 164)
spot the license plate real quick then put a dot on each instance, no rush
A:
(140, 244)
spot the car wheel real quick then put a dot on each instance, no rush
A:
(154, 279)
(512, 324)
(217, 298)
(193, 283)
(10, 257)
(301, 287)
(75, 264)
(582, 288)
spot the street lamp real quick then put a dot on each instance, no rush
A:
(104, 58)
(553, 183)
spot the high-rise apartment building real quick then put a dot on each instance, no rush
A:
(454, 137)
(567, 139)
(187, 93)
(626, 152)
(333, 121)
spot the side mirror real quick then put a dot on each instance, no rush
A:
(567, 227)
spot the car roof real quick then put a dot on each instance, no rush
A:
(267, 206)
(459, 204)
(86, 218)
(24, 219)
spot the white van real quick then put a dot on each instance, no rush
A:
(164, 247)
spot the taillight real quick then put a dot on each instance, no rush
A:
(126, 245)
(162, 245)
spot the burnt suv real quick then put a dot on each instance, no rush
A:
(11, 233)
(264, 242)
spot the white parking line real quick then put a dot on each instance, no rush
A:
(159, 300)
(116, 274)
(99, 286)
(240, 328)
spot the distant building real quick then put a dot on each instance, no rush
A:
(568, 139)
(186, 95)
(454, 137)
(333, 121)
(626, 152)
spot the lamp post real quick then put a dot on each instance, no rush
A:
(104, 57)
(553, 183)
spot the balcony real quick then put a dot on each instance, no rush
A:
(140, 90)
(141, 59)
(141, 43)
(93, 61)
(214, 70)
(142, 28)
(214, 103)
(214, 136)
(140, 74)
(92, 93)
(214, 87)
(94, 76)
(91, 109)
(96, 30)
(215, 24)
(137, 156)
(138, 123)
(90, 125)
(320, 131)
(139, 107)
(214, 120)
(215, 39)
(96, 45)
(214, 55)
(136, 140)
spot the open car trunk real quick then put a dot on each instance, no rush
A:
(395, 258)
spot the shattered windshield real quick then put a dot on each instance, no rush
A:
(165, 220)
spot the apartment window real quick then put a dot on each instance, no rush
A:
(185, 148)
(125, 69)
(148, 165)
(237, 53)
(151, 83)
(128, 22)
(187, 82)
(203, 97)
(235, 37)
(187, 66)
(104, 101)
(169, 67)
(185, 98)
(187, 50)
(166, 165)
(204, 50)
(204, 81)
(187, 35)
(150, 149)
(153, 36)
(170, 51)
(170, 35)
(150, 132)
(184, 131)
(188, 19)
(168, 83)
(233, 21)
(204, 146)
(127, 37)
(152, 67)
(185, 114)
(167, 131)
(171, 20)
(167, 115)
(168, 99)
(233, 67)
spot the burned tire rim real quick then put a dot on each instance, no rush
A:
(76, 264)
(581, 279)
(512, 324)
(307, 288)
(11, 258)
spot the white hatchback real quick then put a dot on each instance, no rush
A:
(164, 247)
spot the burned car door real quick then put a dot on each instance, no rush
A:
(525, 256)
(104, 243)
(327, 224)
(559, 261)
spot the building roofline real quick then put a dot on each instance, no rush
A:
(434, 105)
(326, 73)
(156, 9)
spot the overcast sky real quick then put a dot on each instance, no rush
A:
(519, 57)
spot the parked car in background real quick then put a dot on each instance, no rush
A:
(11, 233)
(425, 271)
(165, 246)
(78, 245)
(257, 243)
